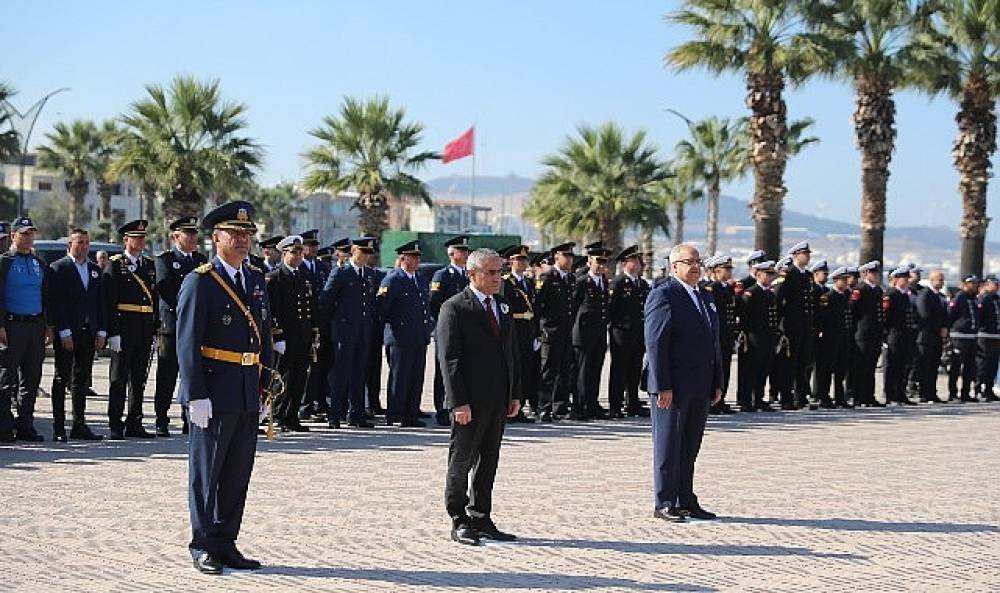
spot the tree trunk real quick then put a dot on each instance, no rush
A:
(875, 135)
(712, 232)
(975, 144)
(105, 231)
(373, 217)
(768, 134)
(679, 223)
(77, 189)
(646, 250)
(611, 234)
(183, 201)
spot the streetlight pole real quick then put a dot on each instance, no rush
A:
(31, 113)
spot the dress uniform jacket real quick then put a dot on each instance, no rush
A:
(293, 301)
(868, 307)
(932, 317)
(349, 300)
(446, 283)
(626, 304)
(964, 316)
(520, 296)
(590, 341)
(988, 353)
(555, 310)
(401, 304)
(759, 322)
(901, 327)
(796, 303)
(833, 329)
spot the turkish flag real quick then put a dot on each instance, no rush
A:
(460, 147)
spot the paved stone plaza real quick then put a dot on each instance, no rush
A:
(869, 500)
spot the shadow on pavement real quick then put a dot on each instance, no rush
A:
(480, 580)
(867, 525)
(685, 549)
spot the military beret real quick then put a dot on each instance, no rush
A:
(236, 215)
(271, 242)
(872, 266)
(409, 248)
(290, 242)
(310, 237)
(628, 253)
(458, 241)
(135, 228)
(186, 223)
(756, 256)
(800, 246)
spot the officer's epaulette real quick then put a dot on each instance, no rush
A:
(204, 268)
(539, 282)
(506, 276)
(382, 290)
(435, 286)
(116, 257)
(162, 253)
(253, 267)
(708, 287)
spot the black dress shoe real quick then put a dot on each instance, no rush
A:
(389, 420)
(334, 424)
(465, 535)
(163, 431)
(671, 514)
(7, 437)
(116, 435)
(700, 513)
(423, 414)
(488, 530)
(297, 427)
(207, 563)
(29, 436)
(82, 432)
(138, 432)
(59, 436)
(545, 417)
(642, 412)
(412, 423)
(600, 414)
(764, 407)
(616, 415)
(233, 558)
(361, 424)
(441, 420)
(726, 409)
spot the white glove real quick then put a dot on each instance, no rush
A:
(265, 410)
(115, 343)
(536, 344)
(279, 347)
(200, 412)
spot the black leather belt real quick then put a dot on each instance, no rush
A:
(16, 317)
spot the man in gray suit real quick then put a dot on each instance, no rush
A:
(477, 353)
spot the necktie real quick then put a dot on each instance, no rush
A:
(701, 305)
(240, 290)
(494, 325)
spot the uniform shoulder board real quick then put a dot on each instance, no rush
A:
(708, 287)
(506, 276)
(204, 268)
(382, 290)
(254, 268)
(115, 257)
(539, 283)
(435, 286)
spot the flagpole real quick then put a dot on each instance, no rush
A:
(473, 173)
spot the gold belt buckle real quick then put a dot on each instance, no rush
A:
(246, 359)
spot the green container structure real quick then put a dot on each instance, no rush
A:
(432, 245)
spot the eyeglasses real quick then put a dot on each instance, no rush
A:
(690, 262)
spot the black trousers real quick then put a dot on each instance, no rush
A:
(529, 363)
(74, 371)
(744, 378)
(557, 374)
(166, 378)
(800, 353)
(987, 359)
(128, 373)
(589, 363)
(474, 452)
(863, 365)
(781, 375)
(832, 359)
(759, 360)
(440, 410)
(220, 461)
(963, 364)
(373, 373)
(406, 380)
(627, 349)
(897, 360)
(294, 368)
(318, 390)
(348, 384)
(928, 361)
(21, 374)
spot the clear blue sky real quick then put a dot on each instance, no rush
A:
(525, 71)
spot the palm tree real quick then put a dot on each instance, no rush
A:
(71, 150)
(715, 154)
(957, 52)
(277, 205)
(599, 183)
(868, 42)
(763, 39)
(110, 138)
(370, 149)
(10, 143)
(192, 143)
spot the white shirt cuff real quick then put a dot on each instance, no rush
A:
(65, 333)
(102, 334)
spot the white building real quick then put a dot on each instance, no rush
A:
(333, 216)
(449, 216)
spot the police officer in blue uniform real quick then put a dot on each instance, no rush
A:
(133, 317)
(318, 387)
(24, 331)
(269, 247)
(446, 283)
(796, 303)
(340, 250)
(964, 318)
(349, 300)
(171, 268)
(292, 299)
(988, 352)
(223, 329)
(408, 326)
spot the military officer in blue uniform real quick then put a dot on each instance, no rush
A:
(171, 268)
(291, 295)
(519, 292)
(965, 320)
(446, 283)
(318, 386)
(402, 307)
(590, 333)
(224, 351)
(626, 303)
(341, 251)
(988, 352)
(554, 305)
(796, 303)
(349, 300)
(269, 247)
(133, 317)
(373, 368)
(744, 376)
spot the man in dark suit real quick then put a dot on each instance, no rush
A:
(932, 329)
(477, 351)
(349, 300)
(402, 306)
(171, 268)
(446, 283)
(78, 317)
(685, 376)
(223, 343)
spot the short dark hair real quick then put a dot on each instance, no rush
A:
(79, 231)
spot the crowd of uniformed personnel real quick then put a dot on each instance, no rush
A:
(803, 335)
